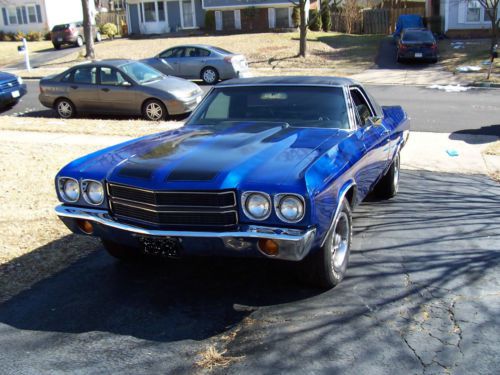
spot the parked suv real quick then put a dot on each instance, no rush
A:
(71, 33)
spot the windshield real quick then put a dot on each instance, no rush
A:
(141, 72)
(60, 27)
(418, 36)
(220, 50)
(299, 106)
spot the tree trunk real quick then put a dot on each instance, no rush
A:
(87, 30)
(303, 30)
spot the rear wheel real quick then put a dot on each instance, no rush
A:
(210, 75)
(65, 108)
(327, 267)
(121, 252)
(57, 46)
(79, 41)
(388, 186)
(98, 37)
(154, 110)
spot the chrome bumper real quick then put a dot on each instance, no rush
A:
(294, 244)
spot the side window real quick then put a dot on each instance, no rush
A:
(85, 75)
(203, 52)
(361, 106)
(219, 108)
(172, 52)
(191, 52)
(111, 77)
(67, 77)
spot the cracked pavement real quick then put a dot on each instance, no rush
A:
(422, 296)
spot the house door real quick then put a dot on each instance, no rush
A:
(187, 14)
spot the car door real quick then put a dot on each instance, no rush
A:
(116, 92)
(82, 88)
(375, 139)
(192, 62)
(167, 61)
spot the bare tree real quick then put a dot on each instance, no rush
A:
(491, 10)
(351, 15)
(87, 30)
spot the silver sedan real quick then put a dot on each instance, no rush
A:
(118, 87)
(200, 61)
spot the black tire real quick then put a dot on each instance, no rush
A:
(65, 108)
(98, 37)
(209, 75)
(327, 267)
(388, 185)
(121, 252)
(79, 41)
(154, 110)
(57, 46)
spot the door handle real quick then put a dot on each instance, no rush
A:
(105, 89)
(74, 87)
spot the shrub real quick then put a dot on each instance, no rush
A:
(296, 16)
(326, 16)
(210, 20)
(3, 36)
(47, 36)
(34, 36)
(18, 36)
(314, 20)
(109, 29)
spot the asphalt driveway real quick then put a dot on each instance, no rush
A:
(422, 296)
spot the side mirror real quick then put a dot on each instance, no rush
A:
(126, 84)
(374, 121)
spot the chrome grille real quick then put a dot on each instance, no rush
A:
(173, 208)
(9, 85)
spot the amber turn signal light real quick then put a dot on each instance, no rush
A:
(269, 247)
(85, 226)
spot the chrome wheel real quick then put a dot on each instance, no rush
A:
(395, 180)
(79, 41)
(340, 244)
(98, 37)
(154, 111)
(64, 109)
(209, 76)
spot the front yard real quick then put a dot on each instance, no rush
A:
(347, 54)
(10, 55)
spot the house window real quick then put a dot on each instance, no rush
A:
(149, 12)
(12, 16)
(32, 14)
(187, 13)
(282, 18)
(228, 20)
(473, 11)
(161, 11)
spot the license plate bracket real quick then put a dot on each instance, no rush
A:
(167, 247)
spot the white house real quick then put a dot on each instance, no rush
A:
(39, 15)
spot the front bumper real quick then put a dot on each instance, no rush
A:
(294, 244)
(181, 106)
(13, 94)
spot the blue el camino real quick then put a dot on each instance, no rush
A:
(264, 167)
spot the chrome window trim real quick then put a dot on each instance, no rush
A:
(244, 197)
(277, 200)
(60, 188)
(84, 194)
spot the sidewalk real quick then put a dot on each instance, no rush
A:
(424, 151)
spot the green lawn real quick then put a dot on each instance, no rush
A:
(9, 54)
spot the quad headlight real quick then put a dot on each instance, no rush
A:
(256, 205)
(93, 192)
(289, 207)
(69, 189)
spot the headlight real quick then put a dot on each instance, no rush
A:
(20, 80)
(256, 205)
(93, 192)
(289, 208)
(69, 189)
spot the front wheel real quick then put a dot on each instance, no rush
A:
(210, 75)
(327, 267)
(79, 42)
(154, 110)
(388, 185)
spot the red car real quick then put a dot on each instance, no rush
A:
(71, 33)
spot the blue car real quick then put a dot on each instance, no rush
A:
(264, 167)
(12, 89)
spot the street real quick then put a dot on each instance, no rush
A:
(475, 111)
(421, 296)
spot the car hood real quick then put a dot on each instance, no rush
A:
(230, 155)
(173, 84)
(4, 76)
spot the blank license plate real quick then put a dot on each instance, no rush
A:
(165, 247)
(15, 94)
(418, 54)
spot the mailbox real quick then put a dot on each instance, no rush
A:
(20, 49)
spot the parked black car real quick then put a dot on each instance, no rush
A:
(417, 45)
(71, 33)
(118, 87)
(12, 89)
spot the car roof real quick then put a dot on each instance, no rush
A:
(206, 46)
(108, 62)
(290, 80)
